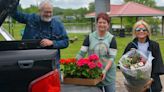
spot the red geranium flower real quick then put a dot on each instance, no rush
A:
(93, 57)
(82, 61)
(99, 64)
(82, 68)
(91, 65)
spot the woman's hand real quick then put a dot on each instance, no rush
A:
(148, 85)
(103, 74)
(107, 67)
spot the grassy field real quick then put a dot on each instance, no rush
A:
(73, 48)
(16, 30)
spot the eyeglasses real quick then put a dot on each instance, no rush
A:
(139, 29)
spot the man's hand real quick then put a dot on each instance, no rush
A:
(46, 42)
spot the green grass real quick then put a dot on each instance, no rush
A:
(73, 48)
(16, 30)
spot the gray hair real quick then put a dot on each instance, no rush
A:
(44, 2)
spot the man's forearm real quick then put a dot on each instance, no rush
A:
(61, 44)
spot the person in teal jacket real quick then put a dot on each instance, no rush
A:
(102, 43)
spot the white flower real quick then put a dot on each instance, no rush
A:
(136, 66)
(132, 67)
(140, 63)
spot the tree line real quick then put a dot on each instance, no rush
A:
(78, 15)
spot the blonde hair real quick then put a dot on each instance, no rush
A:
(141, 22)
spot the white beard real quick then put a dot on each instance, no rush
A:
(46, 19)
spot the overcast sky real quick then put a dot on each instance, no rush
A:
(74, 3)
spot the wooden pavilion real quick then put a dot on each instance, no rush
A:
(131, 9)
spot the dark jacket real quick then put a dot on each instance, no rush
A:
(157, 63)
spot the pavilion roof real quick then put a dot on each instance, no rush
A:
(130, 9)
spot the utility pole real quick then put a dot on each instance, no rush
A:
(102, 6)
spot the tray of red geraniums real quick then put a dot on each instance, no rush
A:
(85, 71)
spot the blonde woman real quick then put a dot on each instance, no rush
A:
(142, 42)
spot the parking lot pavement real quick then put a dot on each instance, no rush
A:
(119, 82)
(162, 80)
(120, 85)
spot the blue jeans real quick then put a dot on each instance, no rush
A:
(109, 88)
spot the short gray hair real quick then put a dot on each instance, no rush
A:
(41, 5)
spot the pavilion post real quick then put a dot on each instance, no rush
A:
(92, 24)
(162, 25)
(121, 22)
(137, 18)
(121, 31)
